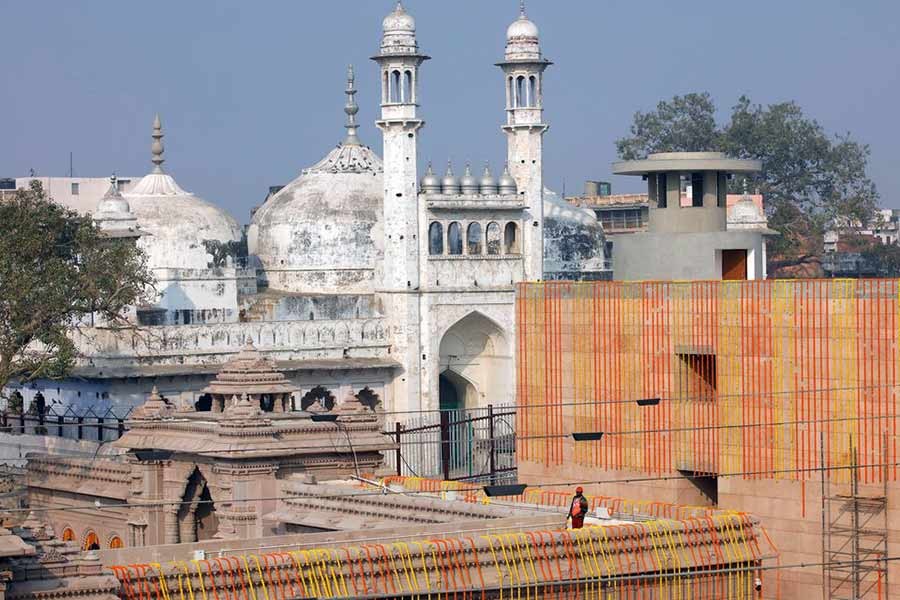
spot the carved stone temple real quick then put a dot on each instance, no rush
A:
(184, 475)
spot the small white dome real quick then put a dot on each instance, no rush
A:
(431, 183)
(521, 29)
(399, 21)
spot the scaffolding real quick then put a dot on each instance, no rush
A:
(855, 541)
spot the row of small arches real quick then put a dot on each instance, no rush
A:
(398, 87)
(91, 541)
(523, 92)
(490, 239)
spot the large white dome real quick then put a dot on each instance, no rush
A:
(182, 228)
(322, 233)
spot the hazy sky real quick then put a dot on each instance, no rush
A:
(251, 92)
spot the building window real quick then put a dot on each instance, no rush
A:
(520, 91)
(368, 398)
(317, 394)
(532, 91)
(662, 200)
(511, 238)
(435, 239)
(407, 87)
(76, 188)
(395, 87)
(696, 190)
(454, 239)
(493, 239)
(68, 535)
(473, 237)
(115, 542)
(91, 541)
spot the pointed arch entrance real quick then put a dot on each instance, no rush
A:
(197, 519)
(475, 364)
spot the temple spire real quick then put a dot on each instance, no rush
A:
(351, 108)
(157, 147)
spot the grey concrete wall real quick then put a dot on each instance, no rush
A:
(680, 256)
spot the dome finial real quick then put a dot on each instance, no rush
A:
(156, 148)
(351, 109)
(522, 9)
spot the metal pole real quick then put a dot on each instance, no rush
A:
(445, 443)
(493, 444)
(398, 430)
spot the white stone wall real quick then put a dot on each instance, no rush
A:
(207, 344)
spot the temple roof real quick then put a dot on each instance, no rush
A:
(249, 373)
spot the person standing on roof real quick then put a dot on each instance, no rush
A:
(578, 509)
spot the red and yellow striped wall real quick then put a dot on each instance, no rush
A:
(766, 379)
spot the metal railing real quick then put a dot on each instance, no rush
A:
(89, 425)
(460, 445)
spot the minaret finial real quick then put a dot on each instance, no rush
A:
(351, 108)
(157, 147)
(522, 8)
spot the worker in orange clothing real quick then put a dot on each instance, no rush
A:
(578, 509)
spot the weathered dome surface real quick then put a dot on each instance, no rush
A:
(574, 242)
(322, 232)
(399, 32)
(183, 228)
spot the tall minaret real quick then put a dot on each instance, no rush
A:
(399, 61)
(523, 70)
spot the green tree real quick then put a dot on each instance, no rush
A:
(683, 124)
(57, 271)
(810, 180)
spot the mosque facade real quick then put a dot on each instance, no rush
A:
(364, 275)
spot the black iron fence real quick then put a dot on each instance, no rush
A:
(95, 426)
(459, 445)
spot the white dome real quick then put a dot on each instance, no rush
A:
(180, 224)
(322, 232)
(522, 28)
(399, 21)
(574, 241)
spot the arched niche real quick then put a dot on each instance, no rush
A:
(474, 363)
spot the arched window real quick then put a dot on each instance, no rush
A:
(520, 91)
(116, 542)
(407, 86)
(435, 239)
(511, 238)
(511, 93)
(320, 395)
(532, 91)
(91, 541)
(473, 238)
(454, 238)
(368, 398)
(204, 404)
(395, 86)
(493, 238)
(385, 88)
(68, 535)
